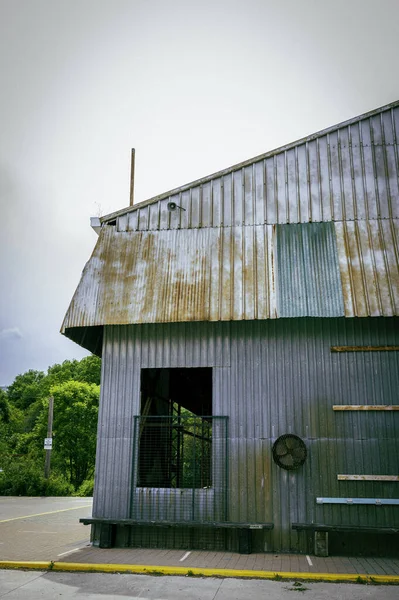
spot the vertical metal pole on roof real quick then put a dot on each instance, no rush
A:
(132, 177)
(49, 435)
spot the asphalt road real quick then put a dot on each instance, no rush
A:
(42, 528)
(21, 585)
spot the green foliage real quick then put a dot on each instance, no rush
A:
(88, 370)
(86, 489)
(32, 386)
(4, 407)
(24, 477)
(75, 427)
(23, 426)
(26, 389)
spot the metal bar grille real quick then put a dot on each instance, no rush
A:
(180, 468)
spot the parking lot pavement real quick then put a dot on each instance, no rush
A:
(48, 530)
(21, 585)
(42, 528)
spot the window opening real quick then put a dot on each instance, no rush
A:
(175, 428)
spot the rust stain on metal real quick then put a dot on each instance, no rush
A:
(364, 348)
(273, 278)
(166, 276)
(366, 407)
(369, 266)
(218, 261)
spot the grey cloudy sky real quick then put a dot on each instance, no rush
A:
(194, 86)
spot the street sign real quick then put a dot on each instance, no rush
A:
(48, 443)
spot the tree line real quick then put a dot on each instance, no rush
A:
(75, 387)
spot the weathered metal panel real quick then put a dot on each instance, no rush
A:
(212, 257)
(369, 265)
(232, 273)
(307, 271)
(348, 172)
(270, 378)
(209, 274)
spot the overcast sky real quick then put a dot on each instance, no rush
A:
(194, 86)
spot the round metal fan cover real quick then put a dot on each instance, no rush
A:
(289, 452)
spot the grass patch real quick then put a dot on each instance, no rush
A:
(191, 573)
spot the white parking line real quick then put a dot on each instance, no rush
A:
(51, 512)
(31, 531)
(309, 561)
(187, 554)
(69, 552)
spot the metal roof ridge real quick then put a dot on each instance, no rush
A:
(247, 162)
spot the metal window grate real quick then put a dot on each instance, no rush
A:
(180, 468)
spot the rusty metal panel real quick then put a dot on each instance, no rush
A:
(209, 274)
(369, 264)
(231, 273)
(307, 271)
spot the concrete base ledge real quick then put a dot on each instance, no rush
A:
(198, 572)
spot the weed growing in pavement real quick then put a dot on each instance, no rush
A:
(297, 586)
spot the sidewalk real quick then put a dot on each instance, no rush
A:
(219, 564)
(46, 534)
(243, 565)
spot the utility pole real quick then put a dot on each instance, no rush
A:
(132, 177)
(48, 442)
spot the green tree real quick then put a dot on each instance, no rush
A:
(23, 426)
(87, 370)
(26, 389)
(11, 424)
(4, 407)
(74, 429)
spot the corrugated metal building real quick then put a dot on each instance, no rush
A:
(279, 279)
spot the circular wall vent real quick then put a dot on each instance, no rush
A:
(289, 452)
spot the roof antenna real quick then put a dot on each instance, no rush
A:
(132, 178)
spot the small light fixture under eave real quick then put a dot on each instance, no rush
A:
(95, 224)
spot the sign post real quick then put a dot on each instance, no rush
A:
(48, 441)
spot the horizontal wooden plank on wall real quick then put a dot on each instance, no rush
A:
(368, 477)
(376, 501)
(364, 348)
(365, 406)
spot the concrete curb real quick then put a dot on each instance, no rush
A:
(197, 572)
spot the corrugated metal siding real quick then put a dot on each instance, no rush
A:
(369, 264)
(347, 174)
(172, 276)
(126, 350)
(307, 271)
(270, 378)
(237, 273)
(215, 259)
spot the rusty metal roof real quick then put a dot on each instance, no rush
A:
(311, 229)
(210, 274)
